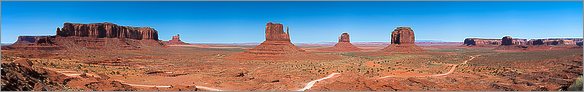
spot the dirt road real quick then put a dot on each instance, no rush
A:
(311, 83)
(436, 75)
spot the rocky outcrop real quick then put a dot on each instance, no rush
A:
(276, 46)
(536, 42)
(275, 32)
(508, 43)
(91, 36)
(107, 30)
(402, 40)
(344, 37)
(554, 41)
(175, 41)
(402, 35)
(35, 43)
(507, 40)
(344, 45)
(490, 42)
(34, 40)
(20, 75)
(481, 42)
(23, 75)
(277, 42)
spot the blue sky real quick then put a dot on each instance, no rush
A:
(233, 22)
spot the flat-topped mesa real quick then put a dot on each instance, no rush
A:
(275, 32)
(509, 43)
(75, 36)
(554, 41)
(107, 30)
(34, 40)
(403, 40)
(481, 42)
(490, 42)
(34, 43)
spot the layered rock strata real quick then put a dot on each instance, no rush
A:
(107, 30)
(91, 36)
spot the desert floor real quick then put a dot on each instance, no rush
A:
(206, 67)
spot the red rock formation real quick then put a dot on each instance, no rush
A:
(92, 36)
(490, 42)
(275, 32)
(402, 35)
(507, 40)
(554, 41)
(277, 42)
(107, 30)
(344, 38)
(277, 46)
(35, 43)
(343, 45)
(402, 40)
(481, 42)
(176, 41)
(508, 43)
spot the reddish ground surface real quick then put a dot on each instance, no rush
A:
(209, 67)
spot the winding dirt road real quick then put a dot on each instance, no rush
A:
(76, 74)
(311, 83)
(306, 87)
(436, 75)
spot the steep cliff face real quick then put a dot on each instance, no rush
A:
(344, 44)
(107, 30)
(402, 40)
(20, 75)
(507, 40)
(91, 36)
(277, 42)
(402, 35)
(276, 46)
(34, 43)
(344, 37)
(275, 32)
(554, 41)
(491, 42)
(34, 40)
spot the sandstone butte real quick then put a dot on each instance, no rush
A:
(277, 42)
(176, 41)
(402, 40)
(507, 40)
(344, 44)
(91, 36)
(508, 44)
(277, 46)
